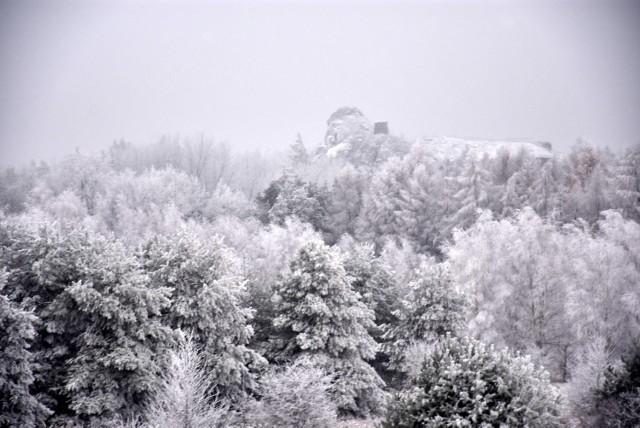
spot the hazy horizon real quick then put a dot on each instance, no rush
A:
(255, 73)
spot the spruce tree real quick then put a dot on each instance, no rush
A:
(99, 337)
(372, 279)
(323, 319)
(121, 336)
(18, 407)
(431, 309)
(617, 402)
(40, 266)
(290, 196)
(205, 292)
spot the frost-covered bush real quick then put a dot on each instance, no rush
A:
(136, 207)
(183, 398)
(298, 396)
(415, 355)
(465, 383)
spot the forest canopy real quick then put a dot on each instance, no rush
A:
(354, 269)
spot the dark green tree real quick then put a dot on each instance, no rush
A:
(121, 336)
(291, 196)
(205, 296)
(18, 407)
(432, 309)
(465, 383)
(100, 334)
(617, 403)
(373, 280)
(323, 319)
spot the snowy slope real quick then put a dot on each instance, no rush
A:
(452, 148)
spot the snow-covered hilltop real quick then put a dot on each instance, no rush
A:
(451, 148)
(350, 135)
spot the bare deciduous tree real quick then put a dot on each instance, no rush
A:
(184, 398)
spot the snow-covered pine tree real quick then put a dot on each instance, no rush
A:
(424, 205)
(524, 179)
(501, 166)
(381, 204)
(597, 194)
(465, 383)
(323, 319)
(264, 254)
(205, 291)
(100, 332)
(433, 308)
(121, 335)
(618, 401)
(372, 279)
(18, 407)
(290, 196)
(29, 255)
(403, 261)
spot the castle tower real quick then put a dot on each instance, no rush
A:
(381, 128)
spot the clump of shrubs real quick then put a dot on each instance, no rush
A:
(184, 397)
(297, 396)
(465, 383)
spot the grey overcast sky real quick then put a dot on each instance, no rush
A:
(254, 73)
